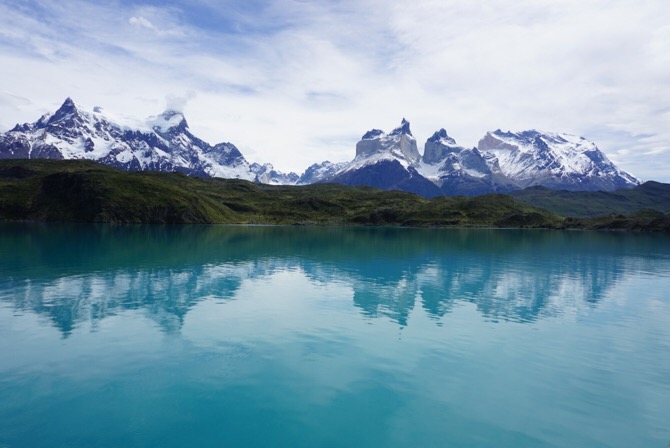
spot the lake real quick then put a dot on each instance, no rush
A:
(159, 336)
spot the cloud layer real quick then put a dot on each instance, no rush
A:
(294, 82)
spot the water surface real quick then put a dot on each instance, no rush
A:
(335, 337)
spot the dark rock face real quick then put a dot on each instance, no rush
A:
(461, 184)
(13, 146)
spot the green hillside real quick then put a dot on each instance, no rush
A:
(83, 191)
(588, 204)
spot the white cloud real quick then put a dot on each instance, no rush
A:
(178, 102)
(141, 22)
(294, 82)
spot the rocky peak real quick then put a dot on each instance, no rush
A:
(438, 146)
(169, 121)
(372, 134)
(403, 129)
(399, 144)
(442, 136)
(554, 160)
(66, 112)
(162, 142)
(68, 105)
(25, 127)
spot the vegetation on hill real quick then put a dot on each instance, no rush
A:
(590, 204)
(84, 191)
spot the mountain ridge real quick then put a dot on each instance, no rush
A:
(502, 162)
(162, 142)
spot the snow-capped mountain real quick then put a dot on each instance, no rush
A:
(162, 143)
(461, 171)
(319, 171)
(392, 161)
(503, 162)
(266, 174)
(553, 160)
(399, 145)
(387, 161)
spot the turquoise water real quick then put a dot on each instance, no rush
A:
(303, 337)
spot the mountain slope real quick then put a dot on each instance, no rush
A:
(387, 161)
(553, 160)
(318, 172)
(461, 171)
(502, 162)
(160, 143)
(388, 175)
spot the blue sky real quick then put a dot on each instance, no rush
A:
(293, 82)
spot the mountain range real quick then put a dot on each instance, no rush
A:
(502, 161)
(159, 143)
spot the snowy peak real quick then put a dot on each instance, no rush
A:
(67, 115)
(68, 107)
(403, 129)
(266, 174)
(460, 171)
(161, 143)
(554, 160)
(532, 141)
(387, 161)
(168, 121)
(400, 145)
(320, 172)
(441, 136)
(438, 146)
(502, 161)
(373, 134)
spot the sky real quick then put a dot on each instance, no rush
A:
(295, 82)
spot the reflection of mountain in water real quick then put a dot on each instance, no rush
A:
(85, 273)
(165, 295)
(520, 285)
(521, 289)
